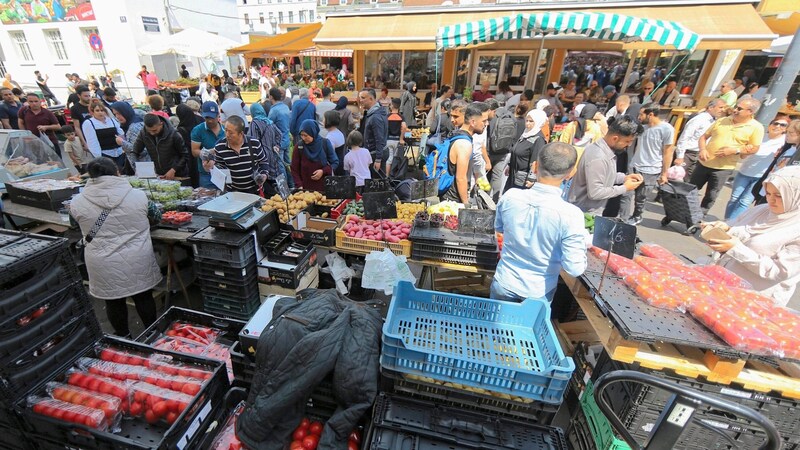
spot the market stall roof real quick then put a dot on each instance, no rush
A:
(780, 45)
(190, 42)
(295, 42)
(604, 26)
(728, 26)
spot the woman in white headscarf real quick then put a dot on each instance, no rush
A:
(526, 150)
(764, 247)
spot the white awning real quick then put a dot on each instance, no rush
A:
(329, 53)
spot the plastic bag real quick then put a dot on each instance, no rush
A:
(226, 439)
(156, 404)
(619, 265)
(110, 405)
(111, 369)
(382, 270)
(340, 272)
(653, 290)
(100, 384)
(658, 252)
(107, 353)
(198, 333)
(68, 412)
(722, 275)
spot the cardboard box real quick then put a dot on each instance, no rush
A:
(309, 281)
(286, 275)
(316, 230)
(49, 200)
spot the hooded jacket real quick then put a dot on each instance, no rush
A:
(120, 259)
(376, 129)
(166, 150)
(408, 102)
(306, 340)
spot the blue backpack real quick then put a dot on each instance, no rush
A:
(436, 162)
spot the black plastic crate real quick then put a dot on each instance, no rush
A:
(431, 426)
(33, 266)
(221, 245)
(230, 327)
(244, 367)
(463, 255)
(136, 434)
(21, 375)
(233, 308)
(237, 292)
(14, 439)
(480, 241)
(536, 412)
(42, 320)
(210, 270)
(221, 414)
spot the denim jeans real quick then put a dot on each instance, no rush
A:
(644, 192)
(498, 292)
(741, 195)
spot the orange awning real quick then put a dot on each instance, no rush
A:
(287, 44)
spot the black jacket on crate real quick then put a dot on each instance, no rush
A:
(306, 340)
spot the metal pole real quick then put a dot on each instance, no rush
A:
(623, 89)
(781, 82)
(130, 94)
(103, 62)
(536, 63)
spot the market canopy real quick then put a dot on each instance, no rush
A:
(292, 43)
(190, 42)
(604, 26)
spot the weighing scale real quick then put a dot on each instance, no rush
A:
(243, 221)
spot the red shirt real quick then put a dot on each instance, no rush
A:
(32, 121)
(479, 96)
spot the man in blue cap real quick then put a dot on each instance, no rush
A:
(204, 137)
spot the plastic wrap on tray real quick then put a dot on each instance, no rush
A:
(669, 268)
(110, 405)
(164, 364)
(653, 290)
(226, 439)
(658, 252)
(197, 333)
(155, 404)
(619, 265)
(738, 327)
(787, 319)
(112, 354)
(103, 385)
(179, 345)
(111, 369)
(68, 412)
(719, 274)
(177, 383)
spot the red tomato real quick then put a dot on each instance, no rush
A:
(304, 423)
(352, 445)
(41, 310)
(171, 417)
(190, 389)
(160, 409)
(136, 409)
(296, 445)
(315, 428)
(299, 434)
(310, 442)
(150, 417)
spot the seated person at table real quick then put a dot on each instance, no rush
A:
(542, 233)
(243, 156)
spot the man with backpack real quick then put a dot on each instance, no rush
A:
(450, 161)
(501, 137)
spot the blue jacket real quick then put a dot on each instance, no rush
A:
(376, 129)
(301, 110)
(279, 114)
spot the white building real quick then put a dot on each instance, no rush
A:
(274, 16)
(56, 45)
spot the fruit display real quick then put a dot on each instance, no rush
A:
(407, 211)
(100, 384)
(422, 219)
(669, 268)
(658, 252)
(376, 230)
(617, 264)
(354, 207)
(588, 222)
(416, 133)
(437, 220)
(226, 439)
(719, 274)
(198, 333)
(483, 184)
(653, 289)
(306, 436)
(176, 218)
(451, 222)
(295, 203)
(69, 412)
(446, 207)
(154, 403)
(110, 405)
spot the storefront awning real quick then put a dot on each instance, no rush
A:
(329, 53)
(287, 44)
(731, 26)
(603, 26)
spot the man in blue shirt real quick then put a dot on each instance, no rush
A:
(279, 114)
(542, 233)
(205, 137)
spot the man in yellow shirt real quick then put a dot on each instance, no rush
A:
(727, 141)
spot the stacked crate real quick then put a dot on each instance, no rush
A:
(45, 318)
(226, 265)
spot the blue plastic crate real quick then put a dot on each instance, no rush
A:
(505, 347)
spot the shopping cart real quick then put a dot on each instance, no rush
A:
(681, 204)
(678, 413)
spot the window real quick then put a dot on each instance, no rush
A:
(56, 44)
(342, 2)
(386, 69)
(422, 68)
(244, 2)
(271, 16)
(291, 16)
(246, 19)
(374, 2)
(23, 49)
(321, 3)
(280, 16)
(86, 32)
(302, 16)
(261, 17)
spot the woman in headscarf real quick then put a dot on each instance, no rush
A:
(187, 120)
(585, 129)
(408, 103)
(313, 159)
(764, 243)
(346, 122)
(267, 133)
(526, 150)
(131, 124)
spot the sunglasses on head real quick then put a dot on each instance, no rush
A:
(779, 124)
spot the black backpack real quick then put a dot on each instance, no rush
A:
(504, 133)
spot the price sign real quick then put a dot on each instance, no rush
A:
(340, 187)
(614, 236)
(424, 188)
(378, 185)
(283, 186)
(476, 220)
(95, 42)
(380, 205)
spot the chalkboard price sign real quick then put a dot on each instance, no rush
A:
(476, 220)
(283, 186)
(423, 189)
(614, 236)
(380, 205)
(340, 187)
(378, 185)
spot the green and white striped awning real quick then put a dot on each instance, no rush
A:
(605, 26)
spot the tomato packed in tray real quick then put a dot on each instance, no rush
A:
(658, 252)
(619, 265)
(176, 218)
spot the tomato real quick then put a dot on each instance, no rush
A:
(299, 434)
(310, 442)
(235, 445)
(171, 417)
(41, 310)
(296, 445)
(150, 417)
(354, 436)
(315, 428)
(70, 416)
(305, 423)
(136, 409)
(39, 408)
(352, 445)
(160, 409)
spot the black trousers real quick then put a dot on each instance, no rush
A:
(715, 178)
(117, 312)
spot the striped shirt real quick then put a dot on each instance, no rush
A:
(241, 164)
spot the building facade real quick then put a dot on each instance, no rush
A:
(270, 17)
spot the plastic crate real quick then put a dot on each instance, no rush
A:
(230, 327)
(23, 332)
(454, 255)
(226, 307)
(209, 270)
(430, 426)
(599, 426)
(344, 242)
(12, 438)
(135, 434)
(244, 292)
(535, 412)
(231, 247)
(32, 266)
(500, 346)
(221, 414)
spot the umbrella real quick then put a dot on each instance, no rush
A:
(190, 42)
(780, 45)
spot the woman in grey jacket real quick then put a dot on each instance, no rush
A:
(408, 103)
(119, 257)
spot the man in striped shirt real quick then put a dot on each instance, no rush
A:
(242, 156)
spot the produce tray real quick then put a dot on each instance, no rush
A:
(463, 339)
(535, 412)
(49, 200)
(230, 327)
(32, 264)
(636, 320)
(464, 255)
(430, 426)
(483, 241)
(225, 265)
(197, 223)
(20, 334)
(232, 399)
(21, 374)
(344, 242)
(600, 427)
(222, 245)
(235, 309)
(136, 434)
